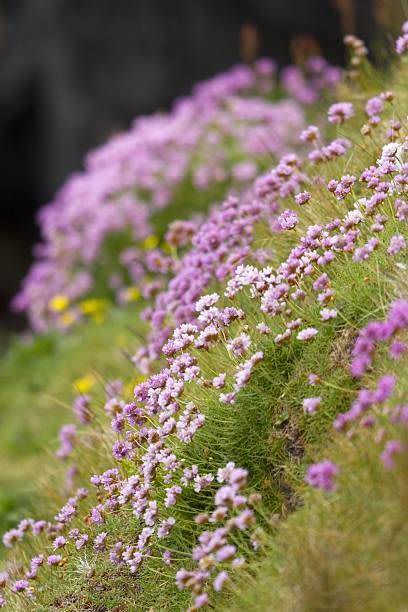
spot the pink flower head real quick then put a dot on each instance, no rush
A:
(288, 219)
(392, 448)
(307, 334)
(340, 112)
(311, 404)
(302, 197)
(322, 475)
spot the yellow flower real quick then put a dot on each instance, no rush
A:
(93, 306)
(67, 319)
(132, 294)
(84, 384)
(150, 242)
(58, 303)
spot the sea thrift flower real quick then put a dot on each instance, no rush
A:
(81, 409)
(311, 404)
(59, 542)
(225, 552)
(401, 209)
(397, 244)
(340, 112)
(328, 313)
(219, 581)
(385, 388)
(207, 301)
(167, 557)
(81, 541)
(392, 448)
(239, 345)
(20, 585)
(401, 44)
(307, 334)
(201, 600)
(288, 219)
(54, 559)
(302, 197)
(398, 349)
(263, 328)
(314, 379)
(219, 381)
(99, 541)
(373, 108)
(310, 134)
(322, 475)
(67, 436)
(165, 527)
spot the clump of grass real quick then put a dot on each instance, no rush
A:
(38, 384)
(319, 550)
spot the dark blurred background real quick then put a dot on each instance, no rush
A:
(72, 72)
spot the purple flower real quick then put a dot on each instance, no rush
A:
(392, 448)
(219, 581)
(397, 244)
(81, 541)
(314, 379)
(311, 404)
(225, 552)
(67, 436)
(81, 409)
(340, 112)
(398, 349)
(59, 542)
(54, 559)
(302, 197)
(20, 585)
(310, 134)
(322, 475)
(219, 381)
(385, 388)
(401, 44)
(100, 541)
(328, 313)
(239, 345)
(167, 557)
(288, 219)
(307, 334)
(201, 600)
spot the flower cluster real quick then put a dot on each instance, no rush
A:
(216, 555)
(107, 212)
(215, 342)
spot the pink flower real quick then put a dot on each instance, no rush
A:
(340, 112)
(288, 219)
(397, 244)
(321, 475)
(307, 334)
(311, 404)
(392, 448)
(219, 581)
(302, 197)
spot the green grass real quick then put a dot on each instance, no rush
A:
(342, 552)
(345, 551)
(36, 390)
(267, 432)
